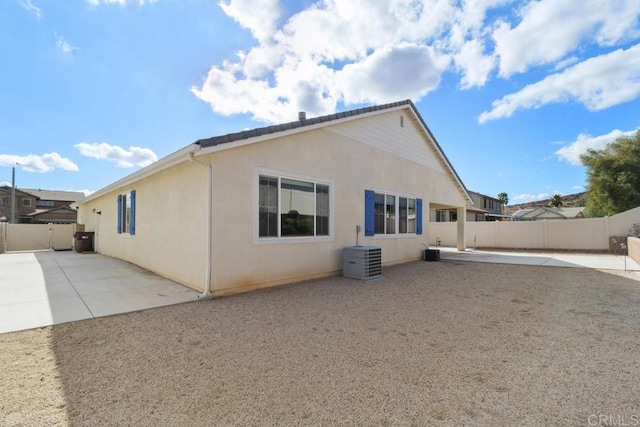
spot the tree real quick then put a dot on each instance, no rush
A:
(556, 200)
(613, 177)
(504, 198)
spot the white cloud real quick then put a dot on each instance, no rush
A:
(63, 45)
(120, 2)
(529, 197)
(134, 156)
(474, 64)
(311, 59)
(85, 191)
(598, 83)
(389, 74)
(5, 183)
(579, 188)
(32, 7)
(571, 153)
(39, 163)
(263, 24)
(550, 29)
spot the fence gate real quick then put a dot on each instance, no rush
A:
(34, 237)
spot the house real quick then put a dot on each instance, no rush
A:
(278, 204)
(484, 208)
(39, 206)
(548, 213)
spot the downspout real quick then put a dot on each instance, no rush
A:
(207, 284)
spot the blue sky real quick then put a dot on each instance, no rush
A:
(514, 91)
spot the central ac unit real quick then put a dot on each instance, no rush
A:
(362, 262)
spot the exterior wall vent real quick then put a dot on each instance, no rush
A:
(302, 115)
(401, 121)
(362, 263)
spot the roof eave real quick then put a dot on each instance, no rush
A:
(178, 157)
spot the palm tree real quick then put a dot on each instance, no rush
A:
(556, 200)
(504, 198)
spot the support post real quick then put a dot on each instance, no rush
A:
(462, 218)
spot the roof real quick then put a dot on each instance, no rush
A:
(485, 196)
(43, 211)
(7, 189)
(216, 143)
(246, 134)
(534, 213)
(61, 196)
(322, 120)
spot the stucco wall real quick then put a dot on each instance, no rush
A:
(354, 156)
(170, 234)
(241, 260)
(576, 234)
(633, 244)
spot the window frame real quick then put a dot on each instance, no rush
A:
(126, 224)
(396, 225)
(26, 203)
(279, 239)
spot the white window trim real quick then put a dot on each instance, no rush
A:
(257, 240)
(125, 232)
(397, 234)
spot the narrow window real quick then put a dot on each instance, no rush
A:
(127, 213)
(411, 215)
(268, 207)
(322, 210)
(391, 214)
(403, 216)
(379, 214)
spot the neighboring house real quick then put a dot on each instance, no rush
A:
(548, 213)
(40, 206)
(278, 204)
(484, 208)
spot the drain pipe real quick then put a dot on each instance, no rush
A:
(207, 283)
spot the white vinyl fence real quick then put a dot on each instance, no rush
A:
(34, 237)
(572, 234)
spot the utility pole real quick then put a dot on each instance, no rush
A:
(13, 195)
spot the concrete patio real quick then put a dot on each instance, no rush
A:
(47, 288)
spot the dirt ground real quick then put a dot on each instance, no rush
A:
(446, 343)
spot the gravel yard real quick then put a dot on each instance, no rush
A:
(448, 343)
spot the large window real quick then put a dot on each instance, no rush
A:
(290, 207)
(391, 214)
(127, 213)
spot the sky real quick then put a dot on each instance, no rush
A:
(514, 91)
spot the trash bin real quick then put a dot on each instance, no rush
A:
(84, 241)
(431, 254)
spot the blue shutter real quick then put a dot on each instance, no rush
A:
(418, 216)
(132, 221)
(369, 213)
(119, 213)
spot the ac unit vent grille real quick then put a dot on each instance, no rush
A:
(362, 262)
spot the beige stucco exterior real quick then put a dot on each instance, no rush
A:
(373, 152)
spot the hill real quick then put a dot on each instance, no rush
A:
(568, 201)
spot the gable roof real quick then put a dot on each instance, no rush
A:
(471, 193)
(232, 140)
(55, 195)
(246, 137)
(44, 211)
(7, 189)
(568, 213)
